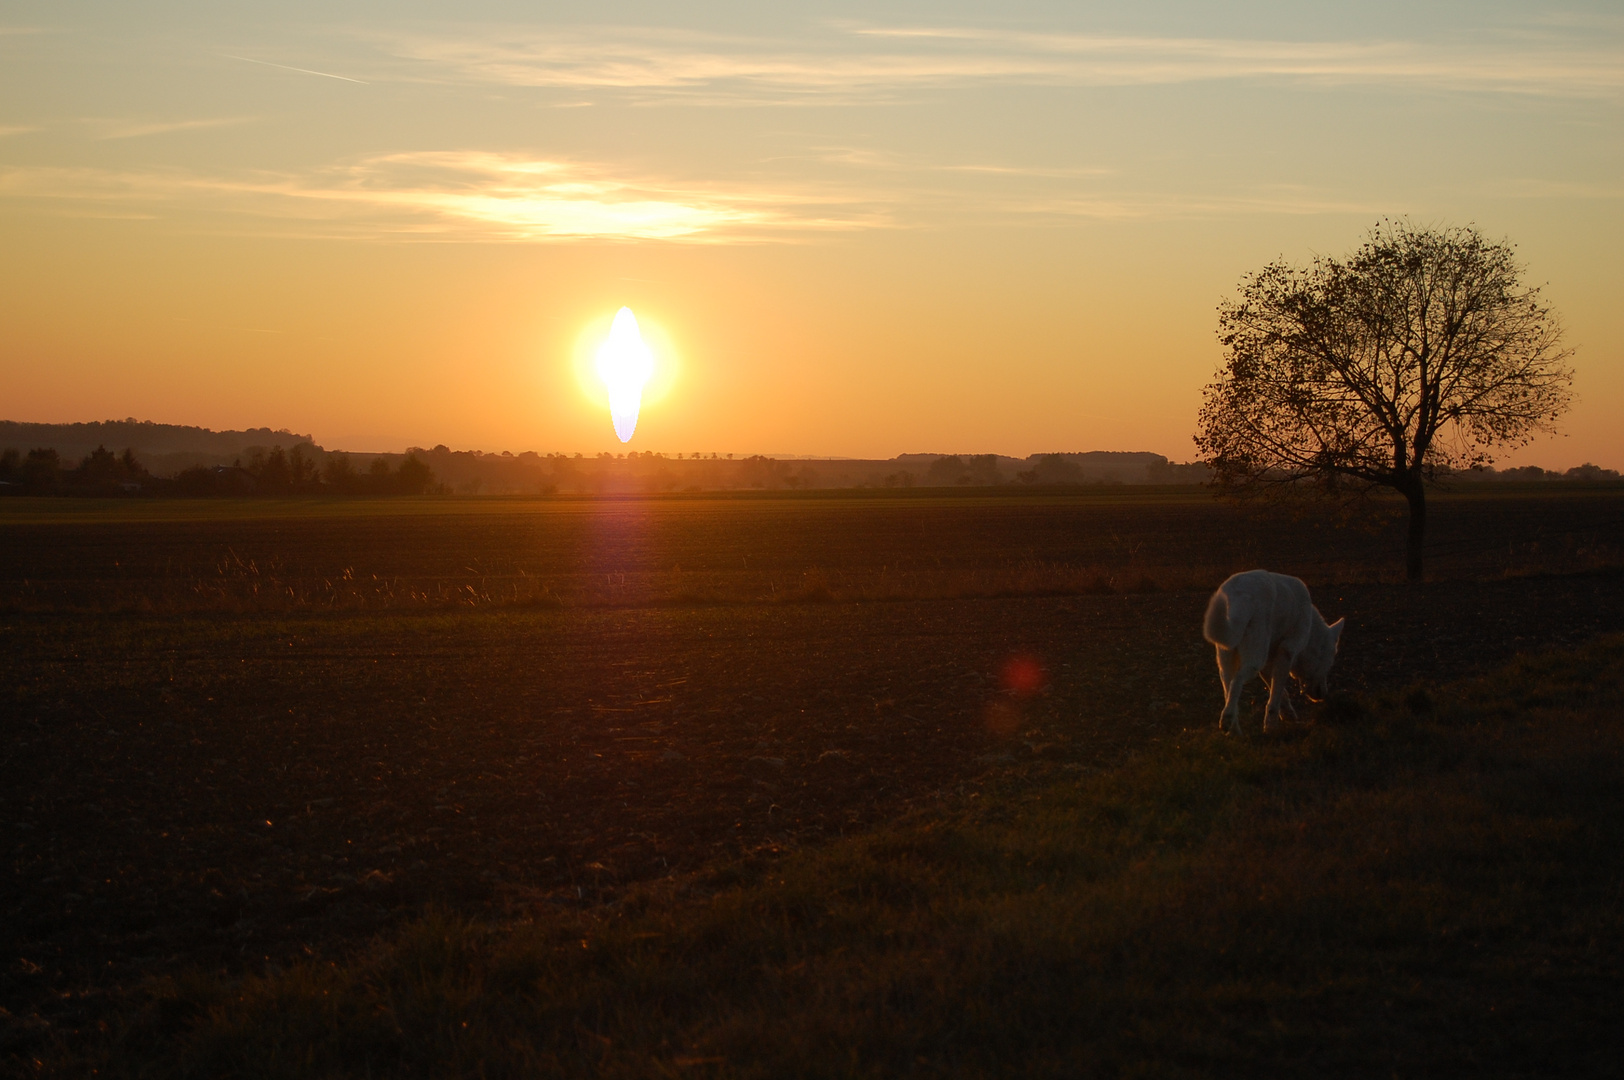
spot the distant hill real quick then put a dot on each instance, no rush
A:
(163, 448)
(142, 436)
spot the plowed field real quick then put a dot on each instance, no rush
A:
(551, 703)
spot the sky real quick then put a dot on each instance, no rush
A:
(846, 229)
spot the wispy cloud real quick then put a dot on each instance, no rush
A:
(674, 60)
(485, 197)
(1079, 173)
(1165, 206)
(1491, 62)
(470, 196)
(518, 198)
(855, 58)
(135, 129)
(15, 129)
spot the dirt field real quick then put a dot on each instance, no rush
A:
(60, 555)
(213, 759)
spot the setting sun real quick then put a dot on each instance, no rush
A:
(625, 364)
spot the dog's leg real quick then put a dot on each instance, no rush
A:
(1234, 675)
(1227, 660)
(1277, 674)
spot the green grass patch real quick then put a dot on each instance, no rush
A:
(1425, 884)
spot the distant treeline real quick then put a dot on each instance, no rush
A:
(167, 459)
(472, 472)
(198, 462)
(40, 472)
(1586, 473)
(308, 469)
(275, 472)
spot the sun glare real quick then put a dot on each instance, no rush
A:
(625, 365)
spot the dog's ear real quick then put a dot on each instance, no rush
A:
(1336, 632)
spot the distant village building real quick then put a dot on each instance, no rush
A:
(233, 480)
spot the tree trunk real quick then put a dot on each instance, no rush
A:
(1415, 493)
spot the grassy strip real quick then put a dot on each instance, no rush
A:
(52, 510)
(1423, 884)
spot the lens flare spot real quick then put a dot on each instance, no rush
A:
(625, 365)
(1023, 676)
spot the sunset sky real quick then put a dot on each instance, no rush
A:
(847, 229)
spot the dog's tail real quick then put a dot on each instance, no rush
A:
(1216, 627)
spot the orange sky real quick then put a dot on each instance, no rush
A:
(862, 232)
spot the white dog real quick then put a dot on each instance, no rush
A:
(1263, 622)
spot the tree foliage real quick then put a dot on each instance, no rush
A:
(1420, 352)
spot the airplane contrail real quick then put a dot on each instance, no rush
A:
(306, 71)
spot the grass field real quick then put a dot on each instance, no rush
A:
(1415, 886)
(565, 720)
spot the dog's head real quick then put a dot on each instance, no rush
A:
(1313, 667)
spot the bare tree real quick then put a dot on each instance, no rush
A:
(1421, 352)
